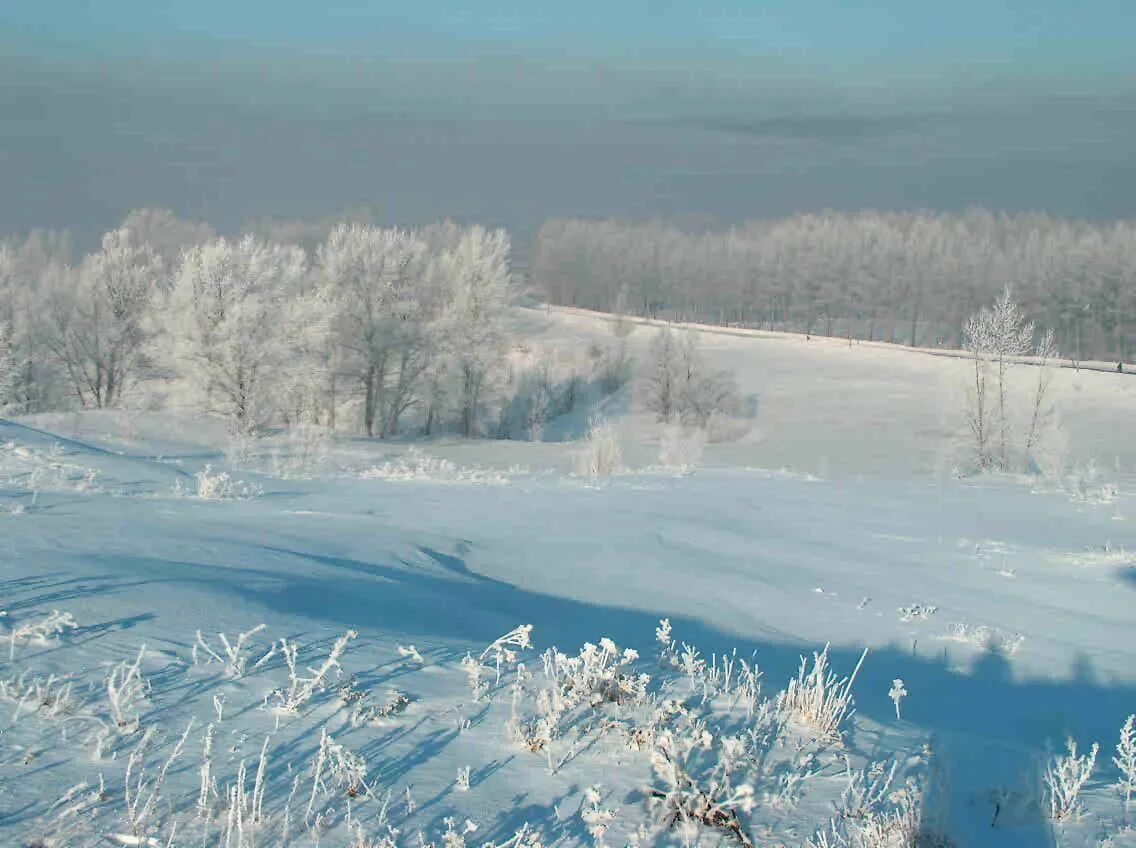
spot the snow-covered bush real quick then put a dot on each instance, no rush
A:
(1064, 777)
(601, 454)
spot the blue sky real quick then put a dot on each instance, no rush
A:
(511, 111)
(1052, 33)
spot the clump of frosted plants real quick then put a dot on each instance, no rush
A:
(416, 465)
(894, 821)
(681, 449)
(596, 817)
(601, 454)
(1065, 775)
(990, 639)
(819, 698)
(598, 674)
(45, 631)
(213, 485)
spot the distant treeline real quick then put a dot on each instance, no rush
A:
(900, 277)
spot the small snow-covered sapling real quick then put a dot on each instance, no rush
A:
(1064, 777)
(1125, 759)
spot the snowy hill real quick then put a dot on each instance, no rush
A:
(1004, 608)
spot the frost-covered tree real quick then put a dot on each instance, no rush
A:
(29, 270)
(226, 308)
(476, 282)
(375, 283)
(97, 317)
(165, 233)
(704, 391)
(9, 371)
(994, 337)
(661, 380)
(678, 385)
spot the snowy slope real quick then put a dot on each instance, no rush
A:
(1031, 638)
(828, 408)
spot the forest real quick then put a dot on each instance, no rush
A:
(911, 278)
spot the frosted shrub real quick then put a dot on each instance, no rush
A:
(818, 698)
(601, 454)
(681, 449)
(711, 801)
(1065, 775)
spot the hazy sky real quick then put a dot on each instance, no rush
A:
(512, 112)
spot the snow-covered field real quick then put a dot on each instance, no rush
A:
(1004, 607)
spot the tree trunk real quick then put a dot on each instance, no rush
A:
(369, 401)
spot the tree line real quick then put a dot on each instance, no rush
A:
(165, 313)
(912, 278)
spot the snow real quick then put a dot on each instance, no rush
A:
(1005, 607)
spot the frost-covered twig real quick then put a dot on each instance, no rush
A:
(234, 659)
(125, 690)
(503, 654)
(301, 688)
